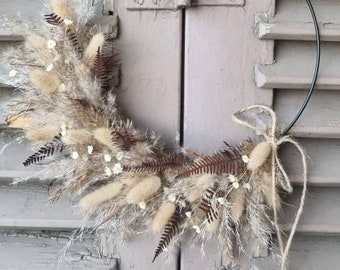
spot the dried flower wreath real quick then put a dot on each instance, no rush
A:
(123, 179)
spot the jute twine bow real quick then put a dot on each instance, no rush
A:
(275, 142)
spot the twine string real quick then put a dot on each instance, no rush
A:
(275, 142)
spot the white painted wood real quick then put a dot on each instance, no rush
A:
(321, 213)
(41, 250)
(321, 118)
(294, 67)
(293, 21)
(25, 206)
(307, 253)
(219, 73)
(137, 254)
(150, 46)
(323, 161)
(220, 52)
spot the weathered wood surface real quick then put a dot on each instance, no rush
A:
(308, 252)
(150, 46)
(42, 250)
(292, 21)
(220, 52)
(321, 118)
(323, 169)
(294, 67)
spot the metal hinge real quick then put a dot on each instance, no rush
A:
(177, 4)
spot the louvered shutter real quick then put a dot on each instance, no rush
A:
(317, 244)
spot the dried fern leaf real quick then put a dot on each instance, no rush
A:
(159, 165)
(72, 36)
(228, 161)
(53, 19)
(100, 69)
(45, 151)
(206, 205)
(170, 230)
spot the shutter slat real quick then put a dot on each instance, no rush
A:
(294, 65)
(292, 21)
(321, 119)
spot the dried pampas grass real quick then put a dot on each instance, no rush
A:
(19, 121)
(212, 226)
(102, 194)
(61, 8)
(77, 136)
(42, 134)
(36, 42)
(238, 204)
(162, 216)
(144, 190)
(45, 81)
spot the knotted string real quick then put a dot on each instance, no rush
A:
(275, 142)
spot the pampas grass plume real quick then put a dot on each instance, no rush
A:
(144, 190)
(42, 134)
(258, 156)
(267, 192)
(61, 9)
(162, 216)
(93, 199)
(36, 42)
(19, 121)
(77, 136)
(238, 204)
(90, 53)
(45, 81)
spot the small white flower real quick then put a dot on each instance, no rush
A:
(236, 185)
(107, 158)
(172, 198)
(247, 186)
(51, 44)
(68, 22)
(62, 87)
(108, 171)
(67, 61)
(188, 214)
(220, 200)
(245, 158)
(120, 156)
(232, 178)
(117, 168)
(90, 149)
(49, 67)
(75, 155)
(12, 73)
(63, 129)
(142, 205)
(197, 229)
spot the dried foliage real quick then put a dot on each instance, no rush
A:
(53, 19)
(121, 177)
(160, 165)
(170, 230)
(228, 161)
(45, 151)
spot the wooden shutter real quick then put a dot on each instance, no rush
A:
(317, 244)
